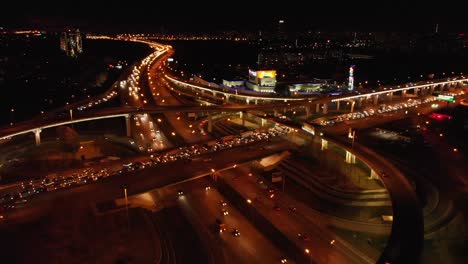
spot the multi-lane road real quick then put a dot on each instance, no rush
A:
(142, 97)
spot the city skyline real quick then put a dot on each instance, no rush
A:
(234, 132)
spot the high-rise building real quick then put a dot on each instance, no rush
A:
(281, 30)
(71, 43)
(281, 26)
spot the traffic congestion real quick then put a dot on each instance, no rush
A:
(32, 188)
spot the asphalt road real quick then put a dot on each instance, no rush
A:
(143, 180)
(406, 239)
(203, 207)
(292, 223)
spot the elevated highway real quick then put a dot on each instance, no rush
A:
(406, 237)
(420, 88)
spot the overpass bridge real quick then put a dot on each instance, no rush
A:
(228, 95)
(36, 126)
(427, 88)
(407, 219)
(276, 103)
(323, 103)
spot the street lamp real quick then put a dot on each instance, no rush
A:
(125, 187)
(307, 251)
(352, 135)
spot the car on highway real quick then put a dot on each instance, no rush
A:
(90, 175)
(303, 237)
(292, 208)
(220, 226)
(223, 203)
(180, 192)
(225, 212)
(283, 260)
(22, 201)
(235, 232)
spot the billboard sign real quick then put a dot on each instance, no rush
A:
(448, 98)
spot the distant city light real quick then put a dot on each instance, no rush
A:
(351, 78)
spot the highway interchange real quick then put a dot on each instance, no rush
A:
(158, 123)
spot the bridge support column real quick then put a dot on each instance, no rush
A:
(256, 101)
(337, 105)
(373, 175)
(247, 100)
(403, 93)
(325, 108)
(227, 98)
(128, 125)
(37, 136)
(210, 122)
(390, 96)
(243, 118)
(324, 144)
(275, 112)
(352, 105)
(317, 108)
(429, 90)
(376, 99)
(214, 176)
(263, 122)
(350, 158)
(451, 87)
(360, 102)
(307, 110)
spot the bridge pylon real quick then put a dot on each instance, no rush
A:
(128, 125)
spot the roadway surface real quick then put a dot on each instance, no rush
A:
(163, 96)
(143, 180)
(405, 243)
(406, 239)
(291, 223)
(202, 207)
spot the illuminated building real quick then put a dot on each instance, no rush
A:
(233, 84)
(71, 43)
(281, 26)
(63, 42)
(306, 87)
(351, 78)
(262, 81)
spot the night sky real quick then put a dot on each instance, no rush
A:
(197, 16)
